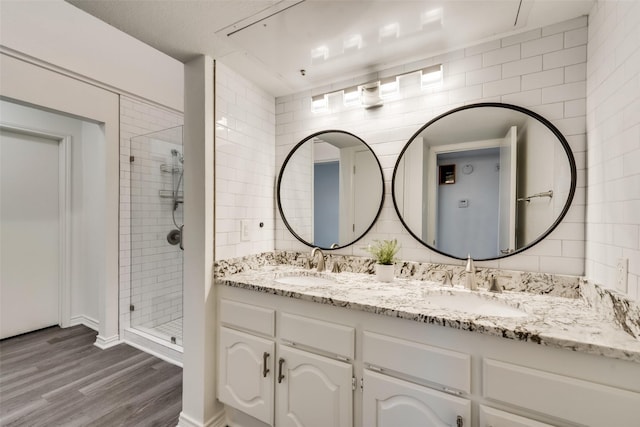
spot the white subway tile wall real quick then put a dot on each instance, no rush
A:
(613, 122)
(245, 166)
(139, 118)
(542, 69)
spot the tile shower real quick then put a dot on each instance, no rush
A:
(151, 216)
(156, 225)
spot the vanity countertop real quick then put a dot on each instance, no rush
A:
(567, 323)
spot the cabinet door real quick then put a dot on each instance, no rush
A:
(245, 382)
(312, 390)
(490, 417)
(390, 402)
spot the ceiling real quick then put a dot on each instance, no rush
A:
(271, 41)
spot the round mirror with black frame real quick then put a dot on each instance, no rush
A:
(330, 189)
(487, 180)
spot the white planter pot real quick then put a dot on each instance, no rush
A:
(384, 272)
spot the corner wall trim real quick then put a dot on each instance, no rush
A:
(104, 343)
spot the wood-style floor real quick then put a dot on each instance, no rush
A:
(57, 377)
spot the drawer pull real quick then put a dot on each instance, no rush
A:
(459, 422)
(265, 358)
(280, 374)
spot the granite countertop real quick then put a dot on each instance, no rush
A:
(567, 323)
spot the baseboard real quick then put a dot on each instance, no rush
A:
(104, 343)
(217, 420)
(84, 320)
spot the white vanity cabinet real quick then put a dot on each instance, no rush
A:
(391, 402)
(572, 399)
(271, 380)
(490, 417)
(406, 373)
(312, 390)
(245, 373)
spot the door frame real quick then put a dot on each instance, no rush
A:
(432, 179)
(64, 216)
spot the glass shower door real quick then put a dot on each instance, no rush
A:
(156, 232)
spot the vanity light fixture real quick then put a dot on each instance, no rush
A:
(319, 103)
(431, 76)
(372, 94)
(351, 96)
(389, 87)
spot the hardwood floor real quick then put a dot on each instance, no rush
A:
(57, 377)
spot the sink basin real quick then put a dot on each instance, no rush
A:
(474, 304)
(301, 280)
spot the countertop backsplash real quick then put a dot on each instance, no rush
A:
(624, 311)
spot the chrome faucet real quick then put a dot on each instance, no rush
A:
(470, 271)
(321, 260)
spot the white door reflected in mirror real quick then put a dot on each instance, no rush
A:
(461, 183)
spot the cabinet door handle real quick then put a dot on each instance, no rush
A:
(280, 374)
(459, 422)
(265, 370)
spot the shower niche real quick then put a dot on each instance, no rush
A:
(156, 196)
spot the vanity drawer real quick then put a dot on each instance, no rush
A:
(248, 317)
(328, 337)
(490, 417)
(448, 368)
(575, 400)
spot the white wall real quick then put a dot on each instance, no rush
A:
(613, 123)
(59, 34)
(245, 165)
(199, 404)
(87, 206)
(543, 70)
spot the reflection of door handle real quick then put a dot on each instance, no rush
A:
(506, 251)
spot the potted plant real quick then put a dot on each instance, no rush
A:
(384, 252)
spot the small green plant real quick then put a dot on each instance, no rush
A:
(384, 251)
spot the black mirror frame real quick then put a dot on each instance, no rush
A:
(547, 123)
(284, 164)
